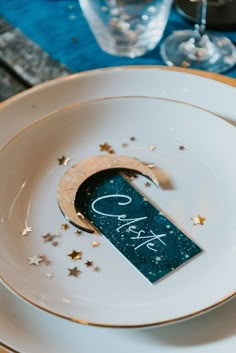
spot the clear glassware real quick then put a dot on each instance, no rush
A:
(127, 27)
(198, 48)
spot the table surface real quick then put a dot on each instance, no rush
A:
(56, 42)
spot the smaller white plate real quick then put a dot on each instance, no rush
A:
(204, 179)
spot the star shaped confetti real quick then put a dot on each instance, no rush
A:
(35, 260)
(26, 231)
(125, 145)
(78, 232)
(89, 263)
(106, 147)
(49, 275)
(95, 244)
(64, 226)
(198, 220)
(76, 255)
(55, 243)
(74, 271)
(48, 237)
(147, 184)
(63, 160)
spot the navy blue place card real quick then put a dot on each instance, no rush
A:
(141, 232)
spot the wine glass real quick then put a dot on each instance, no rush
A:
(199, 49)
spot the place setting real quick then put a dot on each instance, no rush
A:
(116, 207)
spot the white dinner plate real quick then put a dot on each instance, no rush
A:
(203, 177)
(12, 331)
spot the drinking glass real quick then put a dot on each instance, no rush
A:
(127, 27)
(199, 49)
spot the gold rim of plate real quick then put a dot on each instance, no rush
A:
(210, 75)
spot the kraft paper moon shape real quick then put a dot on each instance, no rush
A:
(77, 174)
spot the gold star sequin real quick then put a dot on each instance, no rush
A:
(198, 220)
(95, 244)
(63, 160)
(106, 147)
(35, 260)
(64, 226)
(89, 263)
(74, 271)
(78, 232)
(55, 243)
(182, 147)
(26, 231)
(76, 255)
(48, 237)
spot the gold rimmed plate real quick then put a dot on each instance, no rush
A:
(110, 293)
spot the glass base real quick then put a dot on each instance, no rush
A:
(213, 53)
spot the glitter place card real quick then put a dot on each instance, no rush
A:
(143, 234)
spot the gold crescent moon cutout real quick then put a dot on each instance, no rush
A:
(78, 173)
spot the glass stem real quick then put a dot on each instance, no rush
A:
(200, 25)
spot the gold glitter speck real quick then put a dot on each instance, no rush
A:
(182, 147)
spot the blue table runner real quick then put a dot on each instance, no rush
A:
(59, 28)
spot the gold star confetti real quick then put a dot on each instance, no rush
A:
(147, 184)
(198, 220)
(45, 260)
(48, 237)
(152, 148)
(96, 269)
(63, 160)
(78, 232)
(89, 263)
(106, 147)
(125, 145)
(74, 271)
(95, 244)
(49, 275)
(76, 255)
(182, 147)
(64, 226)
(55, 243)
(35, 260)
(26, 231)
